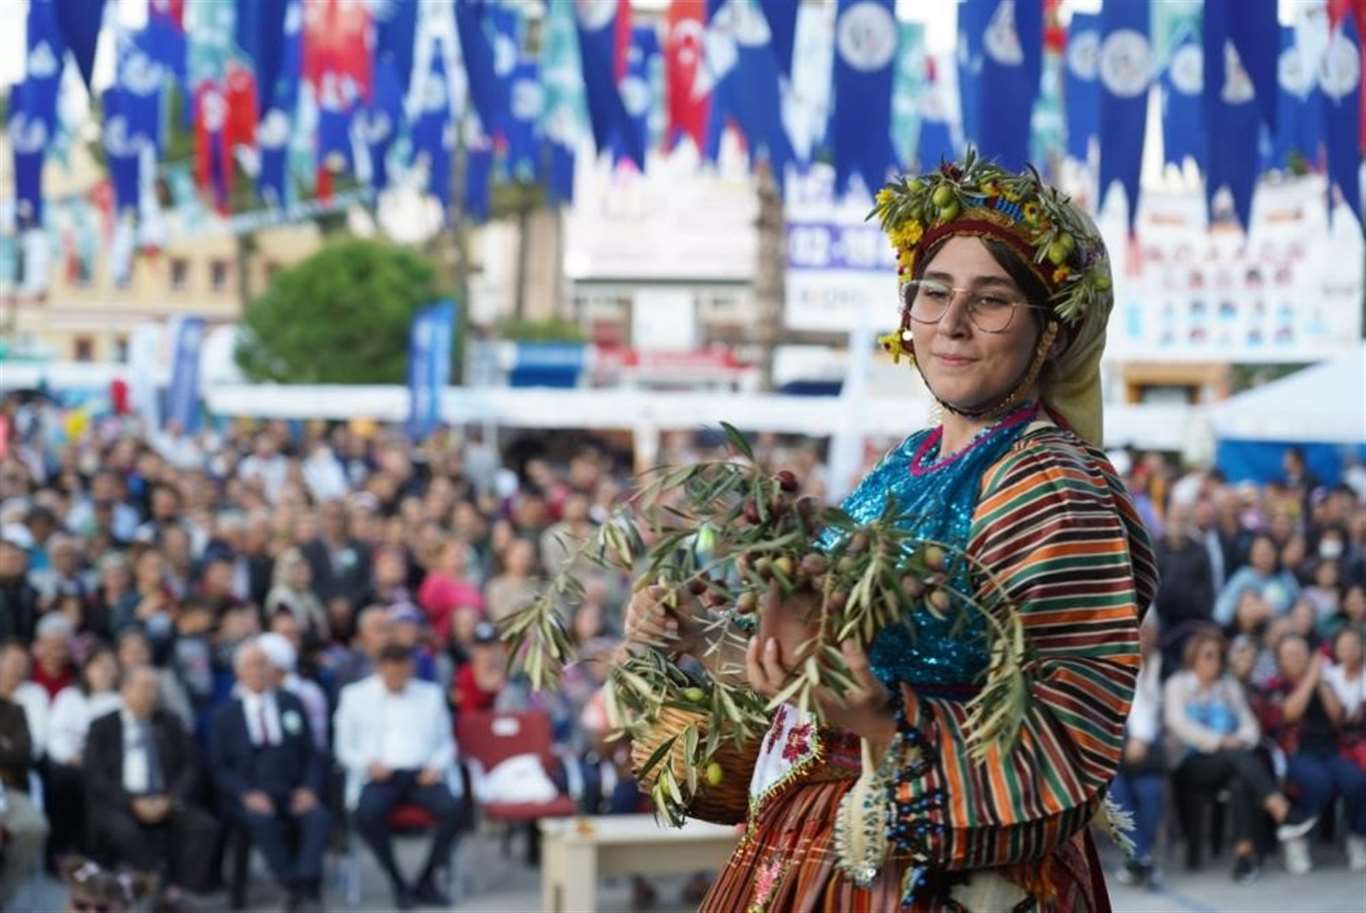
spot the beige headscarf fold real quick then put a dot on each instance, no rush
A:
(1070, 384)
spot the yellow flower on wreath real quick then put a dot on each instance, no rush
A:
(908, 234)
(1060, 274)
(1031, 212)
(884, 198)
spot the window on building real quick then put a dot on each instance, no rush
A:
(218, 275)
(180, 274)
(121, 349)
(83, 349)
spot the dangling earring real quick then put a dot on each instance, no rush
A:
(901, 342)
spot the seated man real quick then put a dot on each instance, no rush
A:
(270, 774)
(141, 773)
(23, 825)
(393, 737)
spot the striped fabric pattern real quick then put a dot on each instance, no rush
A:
(1063, 539)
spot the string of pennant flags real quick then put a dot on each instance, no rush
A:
(295, 95)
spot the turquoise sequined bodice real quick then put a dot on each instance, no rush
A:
(938, 500)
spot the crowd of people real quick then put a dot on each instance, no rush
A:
(1252, 690)
(273, 629)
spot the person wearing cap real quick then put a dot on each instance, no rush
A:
(395, 741)
(409, 625)
(269, 773)
(479, 682)
(283, 659)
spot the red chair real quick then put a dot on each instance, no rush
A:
(490, 738)
(403, 820)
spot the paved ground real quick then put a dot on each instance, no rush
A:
(506, 885)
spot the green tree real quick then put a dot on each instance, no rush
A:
(339, 317)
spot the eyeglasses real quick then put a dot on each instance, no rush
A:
(990, 310)
(89, 906)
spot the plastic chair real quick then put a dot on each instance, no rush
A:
(490, 738)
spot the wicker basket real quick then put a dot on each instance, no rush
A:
(725, 803)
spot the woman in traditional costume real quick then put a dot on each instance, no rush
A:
(883, 804)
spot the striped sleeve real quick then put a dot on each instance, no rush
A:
(1057, 531)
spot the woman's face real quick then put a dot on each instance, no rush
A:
(300, 574)
(133, 652)
(1354, 603)
(961, 364)
(520, 558)
(1347, 648)
(101, 671)
(1263, 555)
(1208, 662)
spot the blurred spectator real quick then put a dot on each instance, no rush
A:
(1140, 786)
(373, 630)
(292, 593)
(113, 586)
(1324, 592)
(341, 564)
(1212, 734)
(479, 681)
(106, 496)
(63, 575)
(133, 650)
(447, 587)
(265, 468)
(1185, 594)
(76, 707)
(1304, 717)
(283, 658)
(516, 586)
(18, 597)
(270, 775)
(19, 817)
(142, 777)
(389, 578)
(561, 540)
(394, 739)
(408, 630)
(52, 670)
(1275, 585)
(15, 665)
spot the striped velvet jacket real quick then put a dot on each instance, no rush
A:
(1060, 533)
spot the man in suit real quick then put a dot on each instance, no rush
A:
(23, 825)
(142, 777)
(340, 563)
(270, 775)
(394, 737)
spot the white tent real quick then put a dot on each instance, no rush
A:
(1324, 404)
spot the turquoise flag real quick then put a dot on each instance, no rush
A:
(908, 83)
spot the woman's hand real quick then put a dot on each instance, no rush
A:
(650, 623)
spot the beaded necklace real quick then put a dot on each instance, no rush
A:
(938, 498)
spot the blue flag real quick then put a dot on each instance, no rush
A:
(1183, 123)
(29, 138)
(935, 144)
(430, 340)
(742, 72)
(1231, 116)
(596, 25)
(1253, 28)
(79, 22)
(182, 394)
(1011, 61)
(781, 16)
(635, 88)
(273, 132)
(861, 125)
(395, 35)
(488, 92)
(338, 99)
(526, 99)
(1340, 85)
(1299, 127)
(1081, 84)
(1126, 70)
(45, 52)
(973, 16)
(259, 29)
(378, 121)
(122, 149)
(433, 133)
(557, 171)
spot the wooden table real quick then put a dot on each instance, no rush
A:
(576, 852)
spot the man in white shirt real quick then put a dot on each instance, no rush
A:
(394, 738)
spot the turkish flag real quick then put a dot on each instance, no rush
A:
(213, 156)
(622, 39)
(240, 128)
(336, 39)
(682, 62)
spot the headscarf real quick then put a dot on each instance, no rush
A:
(1051, 235)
